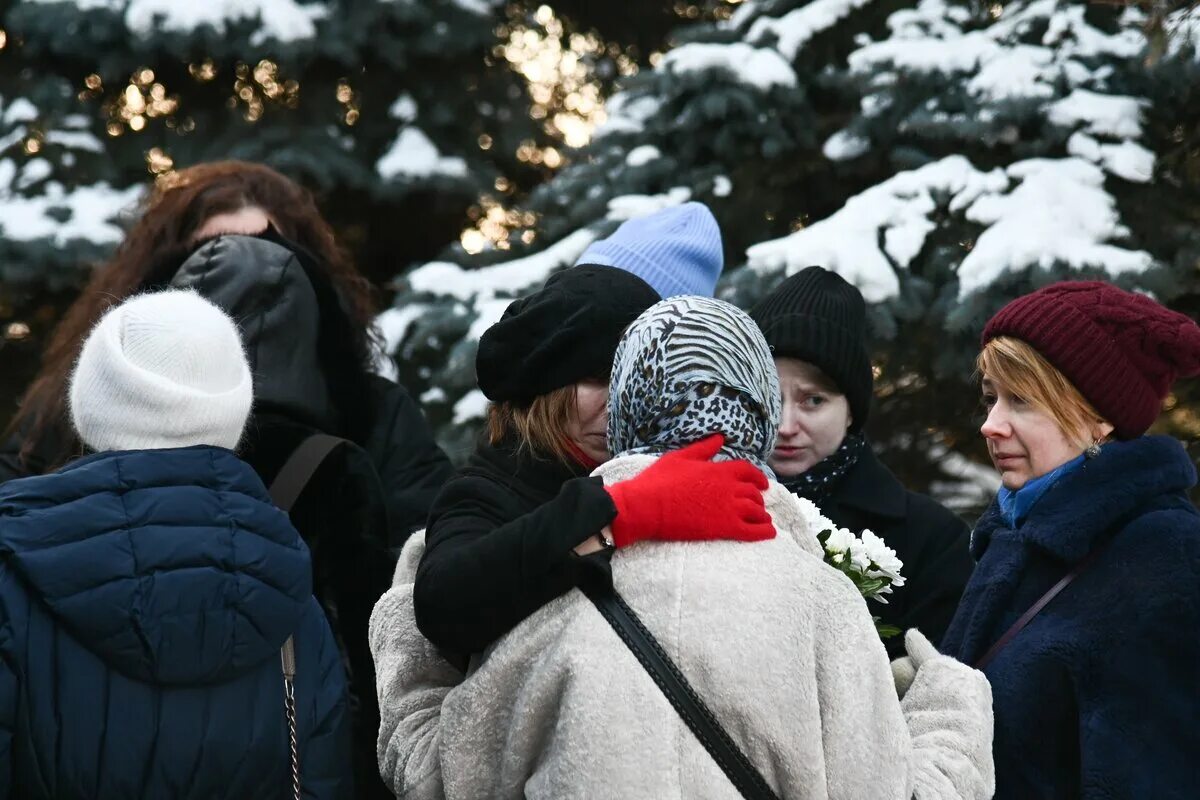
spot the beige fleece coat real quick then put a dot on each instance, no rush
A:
(780, 646)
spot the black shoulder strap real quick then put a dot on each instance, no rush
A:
(691, 708)
(298, 470)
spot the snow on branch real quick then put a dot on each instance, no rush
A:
(762, 68)
(1038, 212)
(414, 155)
(56, 213)
(794, 30)
(280, 20)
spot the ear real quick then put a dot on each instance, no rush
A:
(1102, 430)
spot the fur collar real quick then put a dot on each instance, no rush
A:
(1067, 521)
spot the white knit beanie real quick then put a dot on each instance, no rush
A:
(161, 370)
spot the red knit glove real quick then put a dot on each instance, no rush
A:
(684, 496)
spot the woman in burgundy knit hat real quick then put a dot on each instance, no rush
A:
(1084, 606)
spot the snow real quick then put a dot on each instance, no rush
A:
(1127, 160)
(1038, 212)
(794, 29)
(510, 278)
(75, 140)
(20, 110)
(35, 170)
(627, 113)
(1183, 30)
(1020, 72)
(761, 68)
(844, 146)
(434, 395)
(1111, 115)
(930, 39)
(722, 186)
(483, 8)
(628, 206)
(1043, 51)
(971, 485)
(404, 109)
(1059, 212)
(89, 209)
(640, 156)
(413, 155)
(847, 241)
(394, 324)
(280, 20)
(473, 405)
(489, 312)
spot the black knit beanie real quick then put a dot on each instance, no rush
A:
(563, 333)
(816, 316)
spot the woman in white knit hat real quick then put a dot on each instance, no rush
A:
(146, 590)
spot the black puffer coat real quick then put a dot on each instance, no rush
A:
(931, 541)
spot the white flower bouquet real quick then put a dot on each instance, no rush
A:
(867, 561)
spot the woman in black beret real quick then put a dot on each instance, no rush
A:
(815, 323)
(505, 534)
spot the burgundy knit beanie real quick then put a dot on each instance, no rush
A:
(1121, 350)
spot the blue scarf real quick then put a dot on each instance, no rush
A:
(1016, 505)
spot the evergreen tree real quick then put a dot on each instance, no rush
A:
(944, 156)
(403, 117)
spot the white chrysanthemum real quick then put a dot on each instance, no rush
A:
(884, 557)
(840, 541)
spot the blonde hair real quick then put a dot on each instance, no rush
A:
(1027, 374)
(541, 428)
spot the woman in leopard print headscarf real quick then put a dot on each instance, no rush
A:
(689, 367)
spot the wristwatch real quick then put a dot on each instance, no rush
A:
(606, 540)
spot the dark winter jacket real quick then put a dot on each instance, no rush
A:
(144, 598)
(929, 539)
(1099, 696)
(500, 544)
(295, 331)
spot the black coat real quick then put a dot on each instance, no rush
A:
(500, 545)
(932, 542)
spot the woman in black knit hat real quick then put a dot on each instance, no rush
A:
(505, 533)
(815, 323)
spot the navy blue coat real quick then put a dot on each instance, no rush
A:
(144, 598)
(1099, 696)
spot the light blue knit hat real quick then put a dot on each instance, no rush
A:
(677, 250)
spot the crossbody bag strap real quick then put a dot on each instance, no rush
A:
(690, 706)
(1056, 589)
(295, 474)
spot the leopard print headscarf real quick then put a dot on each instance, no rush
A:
(688, 367)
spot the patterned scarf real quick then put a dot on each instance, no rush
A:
(688, 367)
(823, 478)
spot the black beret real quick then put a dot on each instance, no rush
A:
(564, 333)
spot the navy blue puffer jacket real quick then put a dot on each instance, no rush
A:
(144, 598)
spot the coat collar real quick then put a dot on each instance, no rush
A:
(539, 478)
(1082, 506)
(871, 487)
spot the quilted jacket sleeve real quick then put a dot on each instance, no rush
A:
(325, 761)
(8, 706)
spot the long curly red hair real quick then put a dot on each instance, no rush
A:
(173, 211)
